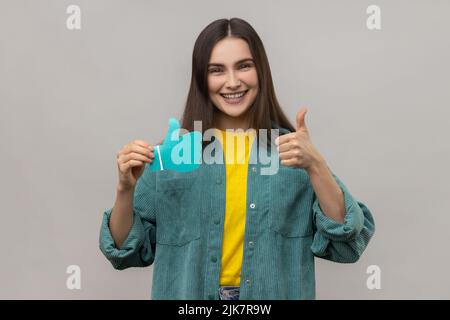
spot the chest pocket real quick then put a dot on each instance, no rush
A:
(178, 207)
(291, 203)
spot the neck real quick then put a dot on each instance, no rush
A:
(224, 121)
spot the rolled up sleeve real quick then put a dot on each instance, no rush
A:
(138, 249)
(342, 242)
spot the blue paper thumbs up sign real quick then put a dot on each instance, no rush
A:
(182, 154)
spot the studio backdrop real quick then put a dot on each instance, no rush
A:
(79, 79)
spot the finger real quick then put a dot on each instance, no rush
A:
(142, 143)
(130, 164)
(284, 147)
(139, 149)
(125, 158)
(300, 119)
(288, 155)
(136, 156)
(284, 138)
(289, 162)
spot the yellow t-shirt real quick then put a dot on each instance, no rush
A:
(236, 163)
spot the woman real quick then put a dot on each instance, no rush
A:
(226, 231)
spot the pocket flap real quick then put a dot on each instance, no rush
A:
(174, 184)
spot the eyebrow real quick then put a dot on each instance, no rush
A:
(238, 62)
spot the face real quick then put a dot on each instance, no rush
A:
(232, 79)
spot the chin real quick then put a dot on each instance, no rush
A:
(234, 113)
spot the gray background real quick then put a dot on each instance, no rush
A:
(378, 112)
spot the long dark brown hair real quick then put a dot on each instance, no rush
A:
(264, 111)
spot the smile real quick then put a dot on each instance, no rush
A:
(234, 98)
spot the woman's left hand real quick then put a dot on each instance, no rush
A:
(296, 149)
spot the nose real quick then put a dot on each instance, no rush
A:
(232, 82)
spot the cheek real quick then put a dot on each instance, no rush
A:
(251, 78)
(214, 84)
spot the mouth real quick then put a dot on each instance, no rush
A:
(234, 98)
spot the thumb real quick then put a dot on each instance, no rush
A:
(174, 125)
(300, 119)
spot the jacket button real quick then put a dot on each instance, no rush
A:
(213, 259)
(218, 181)
(250, 243)
(247, 281)
(217, 221)
(254, 169)
(252, 205)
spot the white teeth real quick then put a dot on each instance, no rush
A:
(233, 96)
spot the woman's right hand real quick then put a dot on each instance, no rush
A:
(131, 160)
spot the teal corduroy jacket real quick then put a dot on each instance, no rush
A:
(178, 228)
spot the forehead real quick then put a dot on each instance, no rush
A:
(229, 50)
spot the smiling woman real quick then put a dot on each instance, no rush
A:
(232, 82)
(226, 230)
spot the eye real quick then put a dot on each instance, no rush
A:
(245, 66)
(214, 70)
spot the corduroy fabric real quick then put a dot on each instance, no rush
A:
(178, 227)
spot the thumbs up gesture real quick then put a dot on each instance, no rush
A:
(296, 149)
(182, 154)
